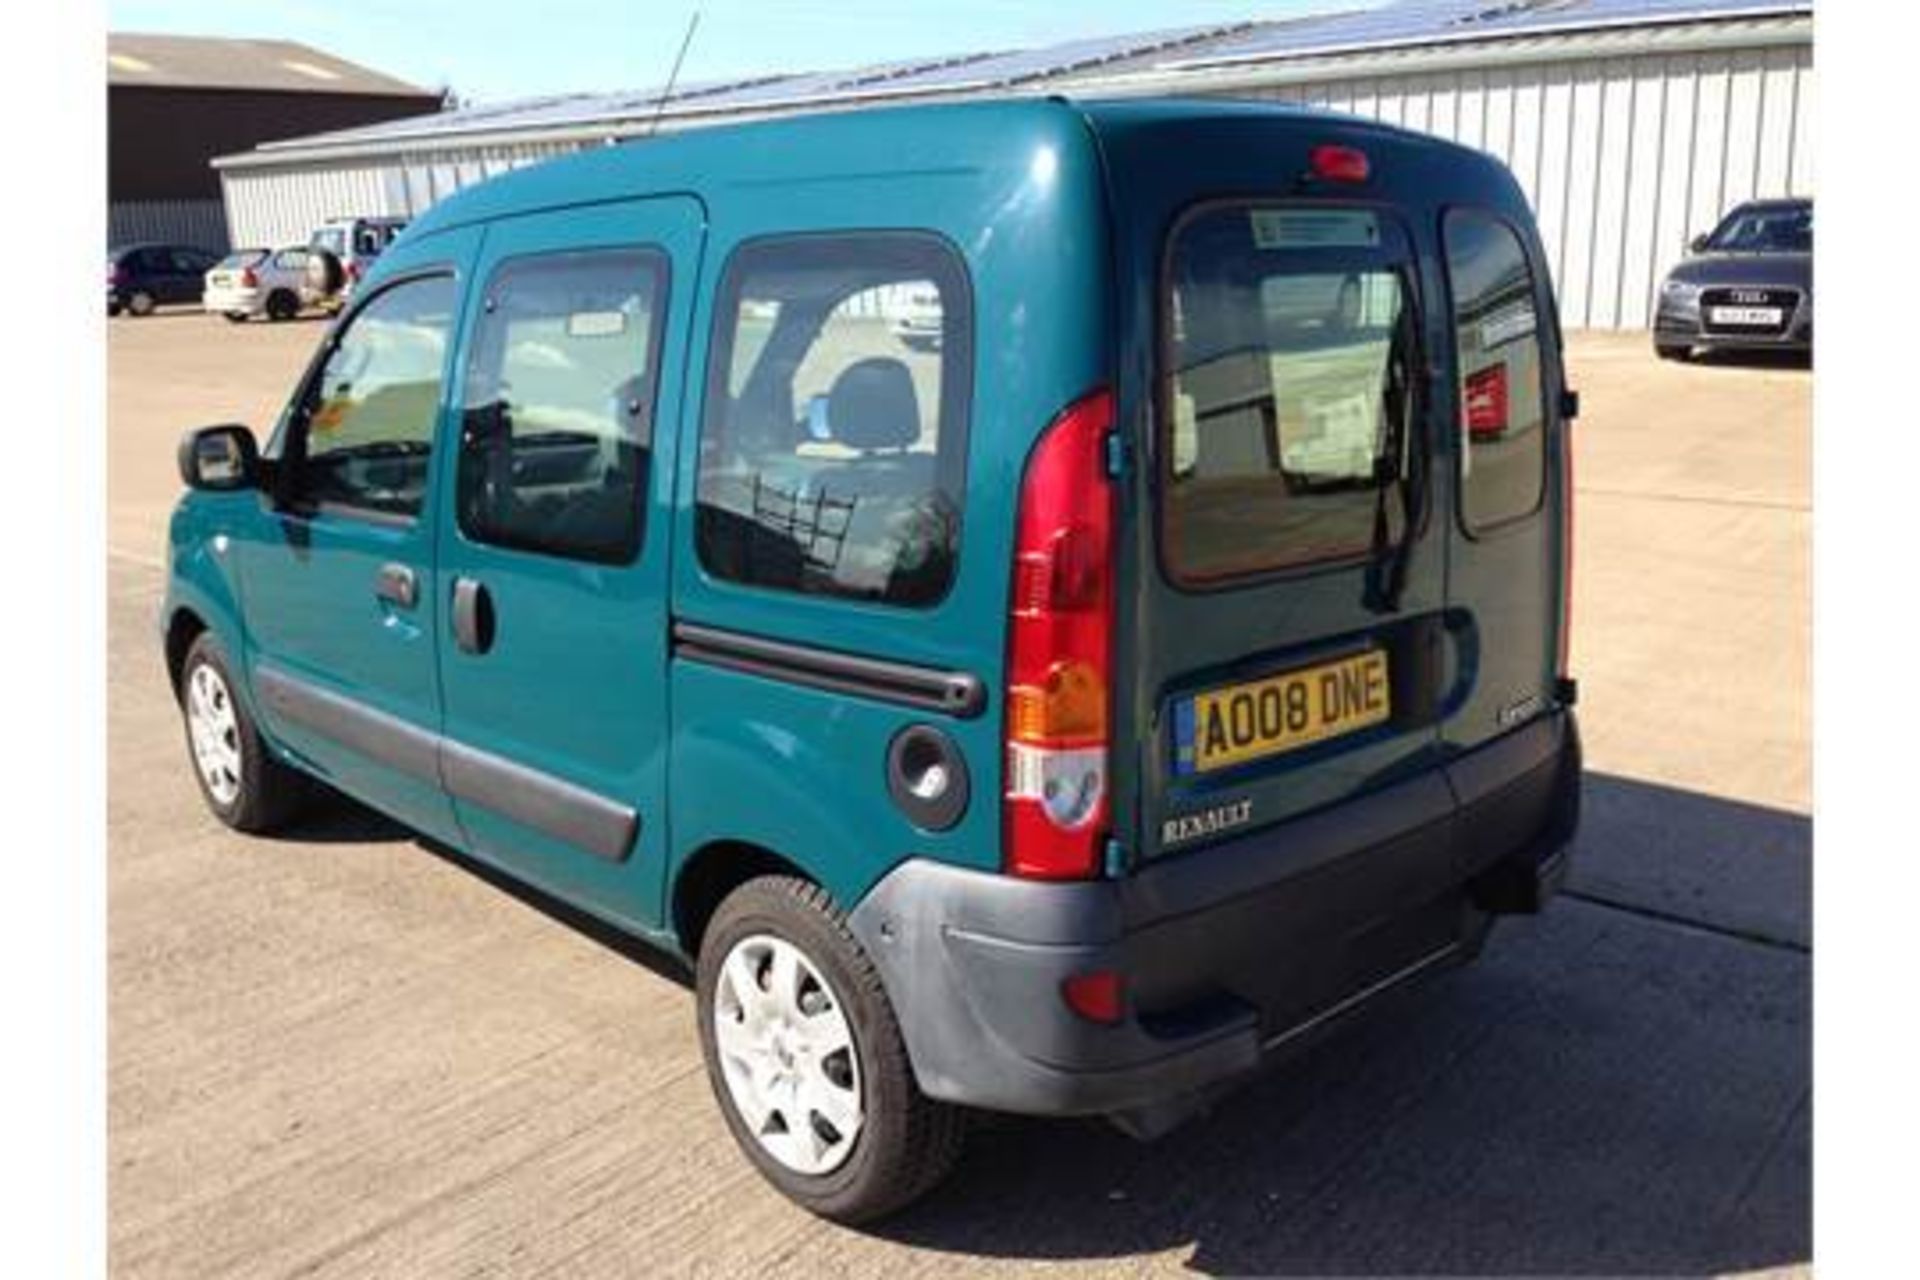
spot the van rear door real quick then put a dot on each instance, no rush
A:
(1290, 642)
(1505, 570)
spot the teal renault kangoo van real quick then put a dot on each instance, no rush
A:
(1046, 606)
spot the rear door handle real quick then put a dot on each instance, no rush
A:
(472, 616)
(397, 584)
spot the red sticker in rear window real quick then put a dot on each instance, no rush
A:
(1487, 402)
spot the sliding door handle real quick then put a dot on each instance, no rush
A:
(397, 584)
(472, 615)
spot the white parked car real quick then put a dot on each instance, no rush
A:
(916, 318)
(256, 282)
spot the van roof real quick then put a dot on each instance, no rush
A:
(975, 134)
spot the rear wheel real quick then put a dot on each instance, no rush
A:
(140, 303)
(806, 1058)
(235, 317)
(282, 305)
(240, 780)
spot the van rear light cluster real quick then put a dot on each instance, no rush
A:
(1059, 659)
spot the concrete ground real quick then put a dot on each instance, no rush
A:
(341, 1053)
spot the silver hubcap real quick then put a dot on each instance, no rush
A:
(215, 733)
(786, 1051)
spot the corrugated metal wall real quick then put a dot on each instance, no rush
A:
(195, 222)
(1624, 159)
(283, 206)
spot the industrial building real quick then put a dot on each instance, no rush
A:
(176, 102)
(1631, 124)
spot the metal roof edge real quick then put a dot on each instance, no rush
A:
(610, 132)
(1570, 26)
(1422, 59)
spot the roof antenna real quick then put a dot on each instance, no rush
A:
(673, 77)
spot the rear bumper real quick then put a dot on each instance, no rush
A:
(223, 301)
(1232, 955)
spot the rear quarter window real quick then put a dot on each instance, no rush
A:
(833, 447)
(1502, 414)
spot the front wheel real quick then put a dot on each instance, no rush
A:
(1667, 351)
(806, 1058)
(240, 780)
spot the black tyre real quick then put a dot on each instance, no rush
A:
(282, 304)
(240, 780)
(1670, 352)
(140, 303)
(806, 1058)
(235, 317)
(325, 274)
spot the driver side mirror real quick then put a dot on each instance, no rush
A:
(219, 459)
(1698, 244)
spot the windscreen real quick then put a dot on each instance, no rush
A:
(1287, 389)
(1766, 229)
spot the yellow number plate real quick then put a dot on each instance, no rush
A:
(1242, 722)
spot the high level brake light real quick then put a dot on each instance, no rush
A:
(1059, 655)
(1339, 164)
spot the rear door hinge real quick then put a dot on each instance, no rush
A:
(1118, 455)
(1116, 861)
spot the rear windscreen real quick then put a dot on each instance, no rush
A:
(240, 259)
(1286, 388)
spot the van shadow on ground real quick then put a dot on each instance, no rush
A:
(1604, 1093)
(1607, 1092)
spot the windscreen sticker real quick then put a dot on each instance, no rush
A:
(1314, 228)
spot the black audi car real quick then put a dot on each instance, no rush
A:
(1747, 283)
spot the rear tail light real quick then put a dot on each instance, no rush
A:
(248, 280)
(116, 274)
(1060, 651)
(1339, 164)
(1486, 395)
(353, 271)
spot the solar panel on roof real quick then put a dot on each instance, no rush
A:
(1033, 64)
(1436, 21)
(783, 89)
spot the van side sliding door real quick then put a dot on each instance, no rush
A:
(554, 548)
